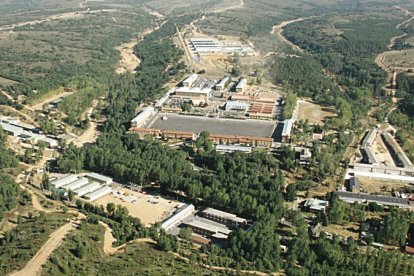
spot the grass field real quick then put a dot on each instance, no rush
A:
(20, 244)
(137, 258)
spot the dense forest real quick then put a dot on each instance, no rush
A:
(340, 69)
(9, 191)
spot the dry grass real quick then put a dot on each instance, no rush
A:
(314, 113)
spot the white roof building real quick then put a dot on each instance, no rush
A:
(316, 205)
(98, 193)
(64, 180)
(193, 91)
(222, 84)
(142, 118)
(233, 148)
(99, 178)
(180, 215)
(287, 127)
(236, 105)
(77, 184)
(11, 129)
(190, 80)
(87, 188)
(241, 85)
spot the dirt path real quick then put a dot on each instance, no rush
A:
(239, 6)
(33, 267)
(109, 240)
(25, 116)
(278, 29)
(39, 105)
(380, 59)
(60, 16)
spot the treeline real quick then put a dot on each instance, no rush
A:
(9, 191)
(290, 104)
(160, 60)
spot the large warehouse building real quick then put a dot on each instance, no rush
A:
(142, 118)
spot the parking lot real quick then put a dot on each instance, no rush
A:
(213, 125)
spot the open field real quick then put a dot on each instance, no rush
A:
(146, 211)
(400, 60)
(216, 126)
(370, 185)
(314, 113)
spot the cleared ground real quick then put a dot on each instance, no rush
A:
(143, 209)
(314, 113)
(216, 126)
(370, 185)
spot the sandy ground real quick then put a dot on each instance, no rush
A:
(34, 266)
(147, 212)
(129, 61)
(349, 231)
(372, 186)
(239, 6)
(4, 109)
(39, 105)
(314, 113)
(109, 239)
(381, 153)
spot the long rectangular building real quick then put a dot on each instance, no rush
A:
(99, 178)
(287, 130)
(224, 217)
(77, 184)
(396, 151)
(142, 118)
(241, 86)
(369, 155)
(180, 215)
(98, 193)
(367, 198)
(370, 137)
(64, 180)
(87, 188)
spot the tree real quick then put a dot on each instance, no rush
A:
(110, 207)
(185, 233)
(291, 192)
(46, 184)
(71, 195)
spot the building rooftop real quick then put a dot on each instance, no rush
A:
(242, 83)
(218, 213)
(316, 204)
(363, 197)
(148, 111)
(100, 177)
(208, 225)
(11, 128)
(232, 148)
(287, 127)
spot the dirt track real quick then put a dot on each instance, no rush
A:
(33, 267)
(129, 61)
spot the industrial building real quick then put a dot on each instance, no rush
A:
(193, 92)
(241, 86)
(99, 178)
(181, 214)
(400, 158)
(236, 106)
(11, 129)
(142, 118)
(98, 193)
(369, 155)
(208, 228)
(233, 148)
(87, 188)
(76, 184)
(208, 45)
(367, 198)
(370, 137)
(64, 180)
(316, 205)
(222, 84)
(224, 218)
(287, 130)
(188, 82)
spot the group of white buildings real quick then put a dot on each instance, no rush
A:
(91, 186)
(26, 133)
(208, 45)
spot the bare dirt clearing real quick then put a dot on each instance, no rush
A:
(129, 61)
(314, 113)
(144, 207)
